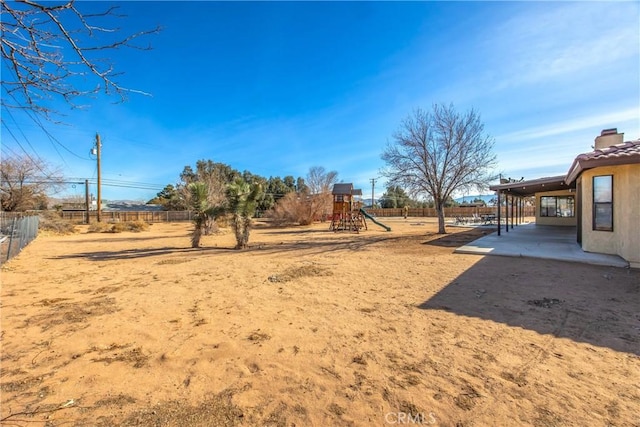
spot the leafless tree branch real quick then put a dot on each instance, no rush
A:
(24, 183)
(439, 152)
(320, 181)
(46, 48)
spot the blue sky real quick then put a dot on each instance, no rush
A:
(278, 87)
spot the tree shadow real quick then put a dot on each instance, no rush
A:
(455, 240)
(120, 239)
(353, 242)
(140, 253)
(289, 231)
(593, 304)
(350, 243)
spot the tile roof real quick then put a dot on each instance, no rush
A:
(630, 148)
(621, 154)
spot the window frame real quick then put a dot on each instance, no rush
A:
(557, 211)
(596, 225)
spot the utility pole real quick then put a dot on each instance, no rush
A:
(98, 146)
(373, 184)
(86, 198)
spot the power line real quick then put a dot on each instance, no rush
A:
(6, 147)
(55, 181)
(23, 135)
(123, 182)
(128, 182)
(52, 138)
(36, 164)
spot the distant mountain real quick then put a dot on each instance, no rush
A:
(129, 205)
(465, 199)
(468, 199)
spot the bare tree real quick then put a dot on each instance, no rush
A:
(47, 46)
(24, 183)
(439, 152)
(320, 180)
(312, 201)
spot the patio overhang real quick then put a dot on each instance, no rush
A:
(533, 186)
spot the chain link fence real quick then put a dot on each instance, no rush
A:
(16, 232)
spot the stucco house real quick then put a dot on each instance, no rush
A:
(599, 196)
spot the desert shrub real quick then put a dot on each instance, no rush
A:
(137, 226)
(118, 227)
(211, 226)
(297, 208)
(290, 209)
(221, 221)
(51, 221)
(100, 227)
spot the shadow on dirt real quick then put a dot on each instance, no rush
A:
(289, 231)
(126, 238)
(334, 241)
(454, 240)
(345, 243)
(599, 306)
(138, 253)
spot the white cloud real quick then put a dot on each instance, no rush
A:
(596, 121)
(544, 43)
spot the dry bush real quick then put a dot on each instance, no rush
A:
(302, 209)
(137, 226)
(213, 225)
(294, 273)
(290, 209)
(221, 221)
(52, 222)
(118, 227)
(323, 206)
(100, 227)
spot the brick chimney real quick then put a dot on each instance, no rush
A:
(608, 137)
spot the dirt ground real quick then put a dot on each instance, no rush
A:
(311, 327)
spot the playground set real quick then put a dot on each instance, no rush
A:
(348, 213)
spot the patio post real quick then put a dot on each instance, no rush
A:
(512, 203)
(506, 212)
(499, 208)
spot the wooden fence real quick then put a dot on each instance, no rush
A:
(122, 216)
(448, 212)
(178, 216)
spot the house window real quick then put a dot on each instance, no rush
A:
(558, 206)
(603, 203)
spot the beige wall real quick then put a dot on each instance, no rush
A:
(544, 220)
(624, 240)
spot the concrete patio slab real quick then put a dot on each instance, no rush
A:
(539, 241)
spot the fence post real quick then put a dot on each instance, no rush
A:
(13, 227)
(25, 229)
